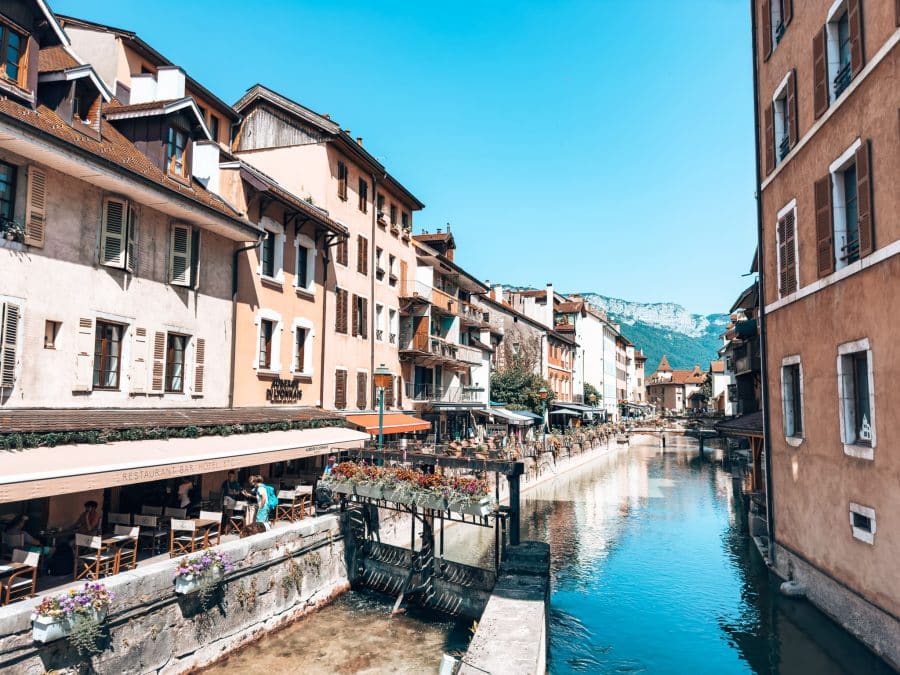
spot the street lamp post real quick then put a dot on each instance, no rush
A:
(593, 400)
(382, 377)
(543, 395)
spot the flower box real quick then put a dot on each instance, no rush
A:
(370, 490)
(428, 501)
(186, 584)
(473, 507)
(396, 494)
(47, 628)
(344, 488)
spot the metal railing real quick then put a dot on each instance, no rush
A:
(843, 77)
(850, 250)
(430, 392)
(414, 289)
(784, 147)
(469, 354)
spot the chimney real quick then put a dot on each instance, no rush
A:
(497, 293)
(550, 305)
(439, 230)
(359, 141)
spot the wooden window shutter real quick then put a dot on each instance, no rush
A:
(199, 366)
(399, 392)
(770, 137)
(84, 355)
(139, 361)
(35, 207)
(824, 227)
(820, 74)
(180, 255)
(389, 394)
(131, 244)
(195, 258)
(782, 260)
(112, 236)
(864, 200)
(365, 261)
(786, 234)
(854, 19)
(788, 9)
(361, 393)
(767, 28)
(158, 369)
(9, 338)
(340, 319)
(354, 310)
(364, 317)
(792, 122)
(340, 389)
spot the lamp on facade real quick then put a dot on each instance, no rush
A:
(382, 377)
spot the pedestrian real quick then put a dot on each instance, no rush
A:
(231, 490)
(265, 500)
(664, 441)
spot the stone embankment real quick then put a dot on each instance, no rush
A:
(280, 576)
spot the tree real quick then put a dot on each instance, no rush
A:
(518, 388)
(590, 390)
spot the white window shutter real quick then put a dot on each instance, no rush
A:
(9, 337)
(199, 365)
(112, 232)
(84, 355)
(180, 255)
(158, 370)
(139, 362)
(131, 242)
(35, 207)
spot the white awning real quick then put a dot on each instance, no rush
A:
(508, 416)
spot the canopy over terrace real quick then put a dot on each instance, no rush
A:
(503, 415)
(392, 423)
(50, 471)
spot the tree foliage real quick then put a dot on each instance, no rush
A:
(589, 390)
(518, 388)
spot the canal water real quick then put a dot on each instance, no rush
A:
(651, 573)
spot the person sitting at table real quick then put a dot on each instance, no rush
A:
(89, 520)
(184, 493)
(231, 489)
(29, 542)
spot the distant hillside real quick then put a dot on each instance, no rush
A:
(666, 328)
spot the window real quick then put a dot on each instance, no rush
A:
(176, 148)
(267, 254)
(12, 45)
(360, 311)
(392, 272)
(379, 263)
(380, 206)
(7, 190)
(271, 251)
(214, 127)
(792, 397)
(176, 345)
(363, 196)
(786, 242)
(379, 322)
(302, 361)
(783, 132)
(118, 234)
(362, 255)
(393, 214)
(393, 326)
(266, 334)
(843, 74)
(184, 256)
(779, 20)
(862, 522)
(404, 220)
(107, 355)
(341, 255)
(306, 263)
(51, 331)
(857, 405)
(362, 389)
(340, 388)
(342, 180)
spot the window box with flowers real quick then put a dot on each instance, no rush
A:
(12, 230)
(73, 614)
(202, 570)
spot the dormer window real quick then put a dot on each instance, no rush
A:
(11, 47)
(176, 148)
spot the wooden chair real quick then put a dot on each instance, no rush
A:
(128, 547)
(151, 510)
(237, 517)
(98, 561)
(215, 529)
(119, 518)
(284, 509)
(23, 582)
(184, 537)
(151, 529)
(171, 512)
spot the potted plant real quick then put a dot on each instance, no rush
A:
(343, 478)
(431, 491)
(397, 485)
(202, 569)
(81, 608)
(369, 482)
(471, 496)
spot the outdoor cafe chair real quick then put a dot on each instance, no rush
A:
(92, 558)
(22, 583)
(119, 518)
(213, 529)
(151, 510)
(128, 546)
(237, 515)
(184, 537)
(151, 530)
(284, 509)
(171, 512)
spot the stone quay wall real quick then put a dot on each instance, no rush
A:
(280, 576)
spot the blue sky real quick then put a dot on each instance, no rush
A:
(604, 146)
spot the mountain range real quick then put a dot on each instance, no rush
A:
(665, 328)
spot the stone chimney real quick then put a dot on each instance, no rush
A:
(359, 141)
(497, 293)
(549, 308)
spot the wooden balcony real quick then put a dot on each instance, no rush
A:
(444, 302)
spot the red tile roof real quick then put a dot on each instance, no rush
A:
(663, 365)
(117, 106)
(570, 306)
(51, 59)
(717, 366)
(113, 147)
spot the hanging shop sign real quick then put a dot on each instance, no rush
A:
(283, 391)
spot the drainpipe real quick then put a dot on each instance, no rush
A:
(234, 292)
(764, 368)
(372, 247)
(326, 260)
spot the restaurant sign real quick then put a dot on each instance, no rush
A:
(283, 391)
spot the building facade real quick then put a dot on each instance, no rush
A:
(828, 163)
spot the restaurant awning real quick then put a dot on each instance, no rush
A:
(507, 416)
(528, 413)
(44, 472)
(565, 413)
(394, 423)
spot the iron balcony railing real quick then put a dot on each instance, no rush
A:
(842, 79)
(784, 147)
(432, 393)
(779, 31)
(379, 334)
(850, 250)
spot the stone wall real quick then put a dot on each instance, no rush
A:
(280, 575)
